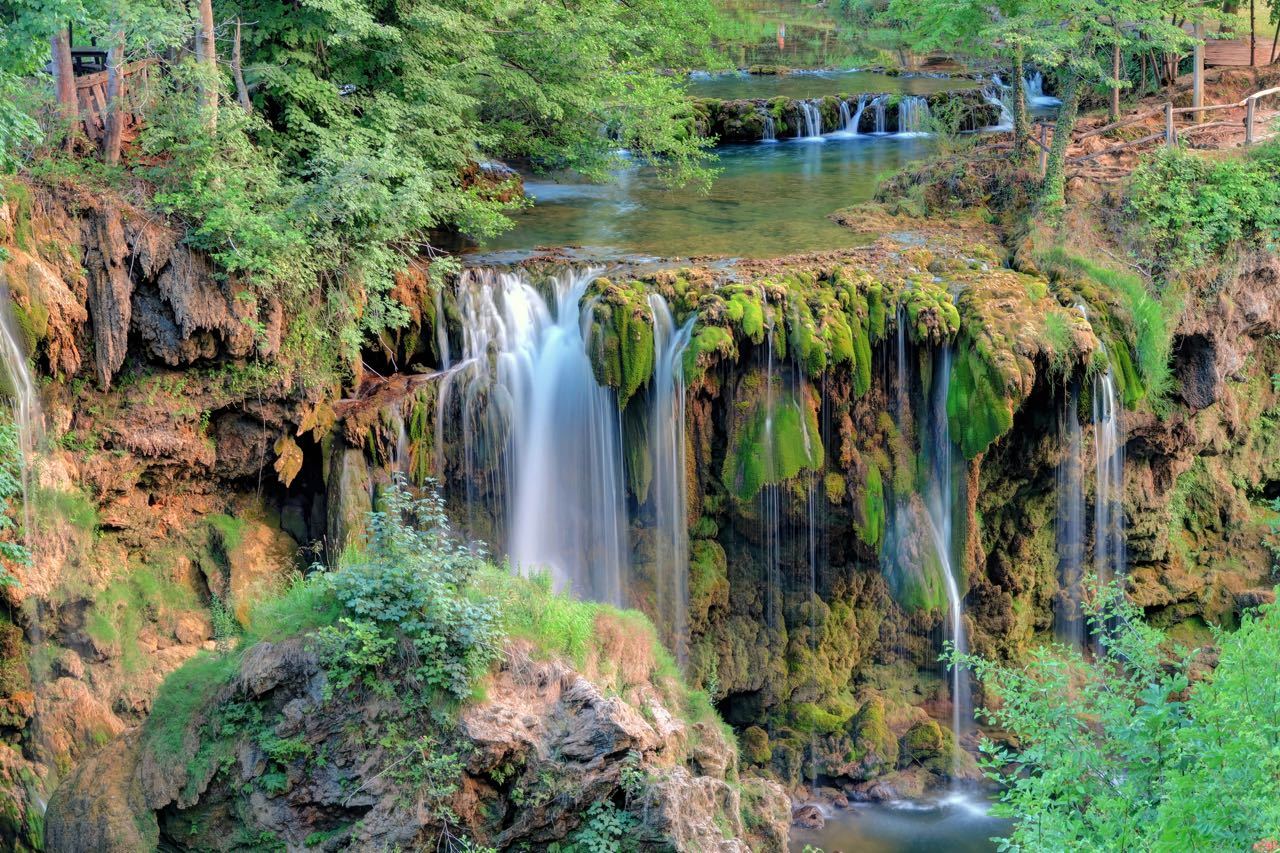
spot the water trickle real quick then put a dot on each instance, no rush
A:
(1109, 556)
(1070, 525)
(770, 128)
(25, 401)
(879, 104)
(541, 441)
(811, 117)
(668, 491)
(996, 94)
(913, 116)
(940, 502)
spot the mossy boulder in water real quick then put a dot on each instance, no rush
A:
(875, 749)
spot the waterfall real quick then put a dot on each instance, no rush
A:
(27, 415)
(1034, 87)
(668, 491)
(771, 493)
(913, 113)
(1108, 507)
(996, 94)
(940, 502)
(812, 117)
(1070, 526)
(849, 123)
(770, 129)
(878, 104)
(545, 434)
(846, 118)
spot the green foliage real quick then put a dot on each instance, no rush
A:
(182, 696)
(141, 596)
(607, 829)
(1193, 208)
(410, 585)
(1123, 751)
(871, 524)
(11, 552)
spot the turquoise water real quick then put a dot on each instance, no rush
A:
(816, 84)
(769, 200)
(953, 825)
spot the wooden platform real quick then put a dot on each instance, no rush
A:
(91, 98)
(1235, 52)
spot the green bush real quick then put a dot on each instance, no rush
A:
(1193, 207)
(1125, 750)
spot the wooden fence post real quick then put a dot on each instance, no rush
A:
(1044, 149)
(1170, 135)
(1248, 120)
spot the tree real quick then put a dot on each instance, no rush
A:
(973, 27)
(207, 57)
(1137, 748)
(64, 81)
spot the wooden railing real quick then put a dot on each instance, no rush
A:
(92, 102)
(1171, 134)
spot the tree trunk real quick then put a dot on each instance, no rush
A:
(1053, 191)
(1115, 82)
(207, 57)
(1253, 33)
(65, 84)
(237, 71)
(1020, 127)
(115, 101)
(1275, 40)
(1197, 70)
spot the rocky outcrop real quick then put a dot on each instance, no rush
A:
(526, 765)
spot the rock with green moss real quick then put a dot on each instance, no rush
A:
(875, 749)
(621, 339)
(928, 745)
(773, 435)
(754, 742)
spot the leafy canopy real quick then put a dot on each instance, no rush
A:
(1127, 751)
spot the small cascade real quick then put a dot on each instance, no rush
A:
(25, 401)
(846, 117)
(771, 493)
(996, 94)
(1070, 526)
(851, 121)
(811, 117)
(879, 104)
(913, 116)
(668, 491)
(940, 502)
(540, 438)
(1033, 85)
(1109, 559)
(770, 128)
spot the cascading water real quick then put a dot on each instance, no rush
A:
(913, 115)
(1034, 87)
(851, 122)
(27, 414)
(532, 417)
(846, 117)
(668, 491)
(940, 501)
(812, 119)
(879, 104)
(1109, 556)
(770, 128)
(1070, 526)
(996, 94)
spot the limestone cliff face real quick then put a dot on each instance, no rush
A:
(527, 765)
(189, 463)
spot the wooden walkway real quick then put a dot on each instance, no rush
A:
(1234, 53)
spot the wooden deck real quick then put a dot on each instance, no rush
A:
(1235, 52)
(91, 99)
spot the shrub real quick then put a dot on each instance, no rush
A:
(1121, 751)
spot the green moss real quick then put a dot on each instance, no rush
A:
(182, 696)
(755, 745)
(874, 745)
(18, 195)
(73, 506)
(708, 344)
(928, 745)
(769, 443)
(622, 338)
(227, 531)
(635, 446)
(836, 486)
(809, 717)
(871, 522)
(745, 308)
(932, 314)
(978, 406)
(130, 602)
